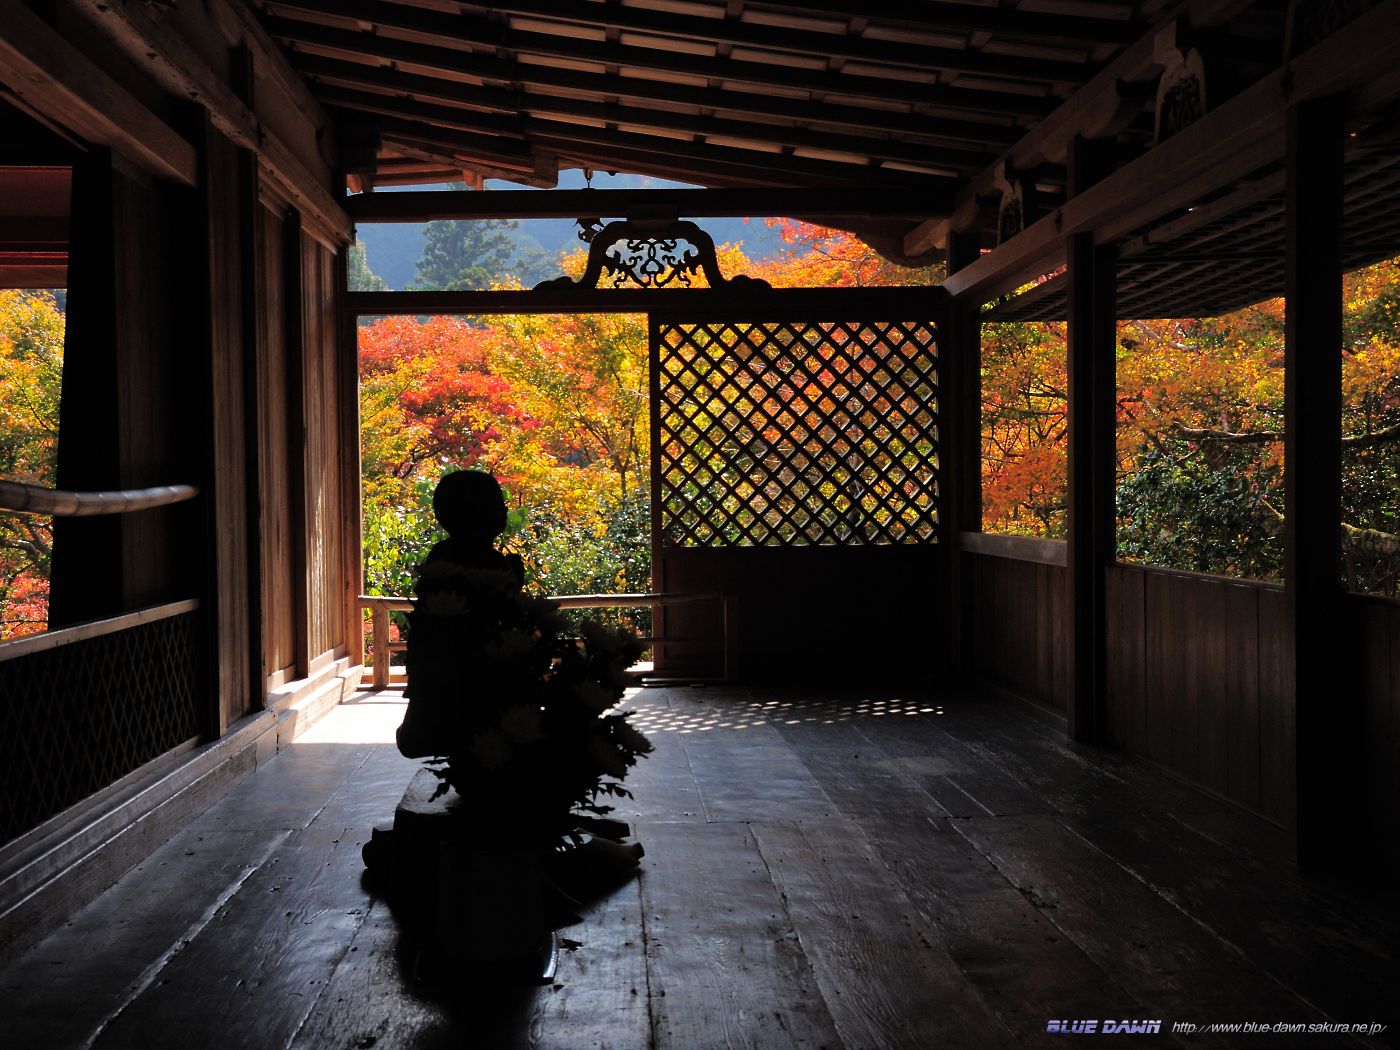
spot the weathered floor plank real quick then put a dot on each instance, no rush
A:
(1158, 953)
(112, 949)
(882, 970)
(847, 871)
(250, 976)
(724, 963)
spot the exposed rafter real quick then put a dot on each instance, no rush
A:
(426, 205)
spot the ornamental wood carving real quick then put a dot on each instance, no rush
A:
(1181, 93)
(647, 253)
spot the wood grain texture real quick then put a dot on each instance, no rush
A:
(1009, 952)
(879, 922)
(274, 448)
(1021, 635)
(885, 977)
(725, 964)
(1126, 660)
(110, 960)
(254, 972)
(1157, 952)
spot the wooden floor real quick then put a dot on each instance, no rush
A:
(860, 872)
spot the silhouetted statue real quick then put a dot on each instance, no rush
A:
(463, 586)
(519, 718)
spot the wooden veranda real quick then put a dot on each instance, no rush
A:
(193, 174)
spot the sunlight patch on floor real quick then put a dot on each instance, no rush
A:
(366, 718)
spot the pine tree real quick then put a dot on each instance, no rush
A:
(463, 255)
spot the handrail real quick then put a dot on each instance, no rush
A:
(80, 632)
(65, 503)
(380, 606)
(1015, 548)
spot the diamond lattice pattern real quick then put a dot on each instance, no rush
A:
(75, 719)
(797, 433)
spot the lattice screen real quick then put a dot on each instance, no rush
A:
(77, 718)
(797, 432)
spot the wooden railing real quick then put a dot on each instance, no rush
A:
(380, 608)
(65, 503)
(14, 648)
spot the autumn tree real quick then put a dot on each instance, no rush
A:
(428, 403)
(1025, 423)
(31, 371)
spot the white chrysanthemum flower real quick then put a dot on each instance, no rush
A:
(522, 724)
(491, 749)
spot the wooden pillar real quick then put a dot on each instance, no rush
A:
(87, 571)
(1092, 340)
(221, 419)
(348, 372)
(294, 303)
(960, 452)
(1327, 711)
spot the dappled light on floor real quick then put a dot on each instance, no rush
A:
(708, 709)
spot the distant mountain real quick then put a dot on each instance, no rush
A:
(392, 250)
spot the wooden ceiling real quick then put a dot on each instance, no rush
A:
(898, 94)
(1228, 253)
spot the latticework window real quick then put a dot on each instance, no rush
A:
(797, 432)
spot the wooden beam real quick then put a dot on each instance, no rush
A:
(935, 17)
(424, 206)
(157, 48)
(460, 62)
(54, 78)
(509, 102)
(1103, 106)
(1329, 717)
(774, 168)
(835, 302)
(473, 121)
(1224, 146)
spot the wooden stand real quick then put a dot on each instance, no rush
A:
(478, 903)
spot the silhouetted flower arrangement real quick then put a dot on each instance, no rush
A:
(526, 712)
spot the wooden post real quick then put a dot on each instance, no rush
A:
(87, 572)
(960, 451)
(219, 268)
(379, 625)
(1092, 342)
(1327, 712)
(294, 291)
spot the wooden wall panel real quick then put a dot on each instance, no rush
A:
(1276, 723)
(321, 414)
(274, 453)
(1019, 626)
(1378, 623)
(225, 219)
(817, 613)
(1198, 681)
(1127, 664)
